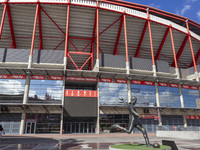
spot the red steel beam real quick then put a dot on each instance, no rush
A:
(109, 26)
(40, 28)
(2, 19)
(53, 20)
(90, 55)
(59, 44)
(125, 36)
(86, 46)
(34, 29)
(73, 61)
(196, 58)
(97, 24)
(141, 39)
(73, 45)
(191, 47)
(85, 62)
(67, 30)
(162, 43)
(173, 48)
(13, 45)
(180, 51)
(118, 36)
(90, 65)
(150, 37)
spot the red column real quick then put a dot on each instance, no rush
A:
(118, 36)
(2, 19)
(40, 28)
(162, 43)
(173, 48)
(125, 36)
(97, 24)
(67, 30)
(34, 29)
(150, 37)
(191, 47)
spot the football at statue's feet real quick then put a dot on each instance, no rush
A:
(156, 145)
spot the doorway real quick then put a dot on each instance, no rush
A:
(30, 128)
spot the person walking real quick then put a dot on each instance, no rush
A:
(1, 131)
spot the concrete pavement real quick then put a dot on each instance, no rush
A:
(84, 141)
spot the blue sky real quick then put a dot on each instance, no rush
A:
(186, 8)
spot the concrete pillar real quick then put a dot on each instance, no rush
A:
(26, 90)
(127, 68)
(181, 96)
(30, 60)
(96, 67)
(158, 104)
(177, 73)
(98, 110)
(65, 63)
(157, 95)
(63, 104)
(129, 90)
(184, 121)
(197, 76)
(160, 117)
(22, 125)
(154, 70)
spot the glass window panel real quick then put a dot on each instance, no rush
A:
(169, 97)
(109, 93)
(146, 95)
(12, 90)
(190, 98)
(46, 91)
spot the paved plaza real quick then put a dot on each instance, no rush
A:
(83, 141)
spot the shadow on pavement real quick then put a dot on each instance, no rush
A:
(38, 143)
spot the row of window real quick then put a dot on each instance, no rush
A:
(48, 91)
(110, 93)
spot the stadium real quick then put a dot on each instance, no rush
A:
(65, 63)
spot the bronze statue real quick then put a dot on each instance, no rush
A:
(134, 122)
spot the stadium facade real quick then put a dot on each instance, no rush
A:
(65, 63)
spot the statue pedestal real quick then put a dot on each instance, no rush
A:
(137, 147)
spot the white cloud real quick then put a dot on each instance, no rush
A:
(191, 1)
(185, 8)
(11, 87)
(56, 93)
(198, 14)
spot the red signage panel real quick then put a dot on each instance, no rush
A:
(194, 87)
(81, 79)
(38, 77)
(162, 84)
(173, 85)
(190, 87)
(105, 80)
(5, 76)
(142, 82)
(150, 116)
(193, 117)
(81, 93)
(120, 81)
(55, 77)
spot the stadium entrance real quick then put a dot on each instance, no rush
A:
(80, 106)
(30, 128)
